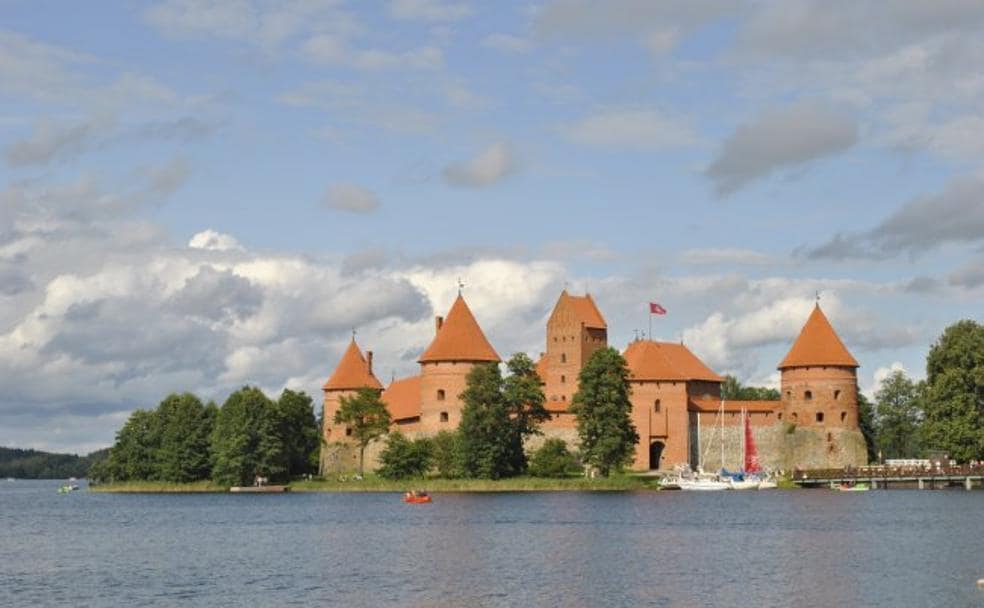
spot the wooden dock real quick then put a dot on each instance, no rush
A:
(259, 489)
(894, 477)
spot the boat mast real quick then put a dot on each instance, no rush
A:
(721, 415)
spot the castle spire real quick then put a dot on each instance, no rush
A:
(353, 371)
(459, 338)
(818, 345)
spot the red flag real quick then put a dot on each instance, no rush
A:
(751, 454)
(656, 309)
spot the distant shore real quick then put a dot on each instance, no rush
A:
(619, 483)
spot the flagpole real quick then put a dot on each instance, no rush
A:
(650, 322)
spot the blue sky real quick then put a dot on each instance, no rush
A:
(198, 195)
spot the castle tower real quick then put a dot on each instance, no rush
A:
(353, 372)
(819, 379)
(458, 345)
(575, 331)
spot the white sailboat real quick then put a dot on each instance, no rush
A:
(704, 482)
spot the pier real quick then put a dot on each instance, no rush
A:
(883, 477)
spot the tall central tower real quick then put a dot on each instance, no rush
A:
(575, 331)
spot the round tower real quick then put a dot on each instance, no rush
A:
(458, 346)
(819, 379)
(354, 372)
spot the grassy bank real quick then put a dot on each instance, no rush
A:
(375, 484)
(159, 487)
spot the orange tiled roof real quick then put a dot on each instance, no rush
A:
(352, 372)
(714, 405)
(818, 344)
(460, 338)
(586, 310)
(402, 398)
(649, 360)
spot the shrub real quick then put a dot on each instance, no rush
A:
(403, 458)
(446, 453)
(553, 459)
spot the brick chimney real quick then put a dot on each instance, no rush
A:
(369, 360)
(438, 322)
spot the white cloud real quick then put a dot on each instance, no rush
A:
(351, 198)
(489, 166)
(210, 240)
(507, 43)
(726, 257)
(327, 49)
(429, 10)
(778, 139)
(632, 128)
(879, 376)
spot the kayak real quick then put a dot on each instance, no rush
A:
(416, 500)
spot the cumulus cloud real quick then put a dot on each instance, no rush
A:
(210, 240)
(351, 198)
(778, 139)
(632, 128)
(954, 216)
(489, 166)
(879, 376)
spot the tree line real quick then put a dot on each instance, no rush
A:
(943, 413)
(183, 440)
(36, 464)
(499, 413)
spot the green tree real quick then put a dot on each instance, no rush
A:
(898, 414)
(733, 390)
(954, 396)
(366, 417)
(185, 438)
(135, 453)
(446, 454)
(485, 432)
(241, 444)
(866, 424)
(299, 432)
(602, 407)
(524, 400)
(403, 458)
(553, 459)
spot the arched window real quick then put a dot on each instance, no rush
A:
(819, 416)
(795, 417)
(656, 406)
(843, 416)
(444, 416)
(808, 395)
(440, 394)
(563, 357)
(348, 432)
(837, 395)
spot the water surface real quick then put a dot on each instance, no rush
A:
(776, 548)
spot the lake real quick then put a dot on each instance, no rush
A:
(770, 548)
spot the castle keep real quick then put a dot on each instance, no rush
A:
(676, 399)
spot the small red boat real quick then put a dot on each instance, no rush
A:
(416, 498)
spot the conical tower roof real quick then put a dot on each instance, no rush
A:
(352, 372)
(459, 338)
(818, 345)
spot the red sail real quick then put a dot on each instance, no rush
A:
(751, 454)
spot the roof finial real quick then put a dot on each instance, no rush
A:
(460, 286)
(353, 334)
(636, 333)
(818, 297)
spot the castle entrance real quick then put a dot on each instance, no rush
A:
(655, 453)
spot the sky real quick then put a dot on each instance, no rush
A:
(198, 195)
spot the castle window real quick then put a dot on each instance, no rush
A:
(444, 416)
(563, 378)
(843, 416)
(819, 416)
(795, 417)
(837, 394)
(563, 357)
(563, 397)
(808, 395)
(348, 432)
(789, 394)
(779, 416)
(656, 406)
(830, 436)
(440, 394)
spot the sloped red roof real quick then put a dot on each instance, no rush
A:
(818, 344)
(586, 310)
(460, 338)
(714, 405)
(402, 398)
(649, 360)
(352, 372)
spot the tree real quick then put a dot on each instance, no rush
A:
(134, 455)
(524, 400)
(485, 432)
(553, 459)
(866, 424)
(241, 443)
(446, 454)
(299, 432)
(366, 417)
(954, 396)
(897, 416)
(185, 438)
(403, 458)
(602, 407)
(733, 390)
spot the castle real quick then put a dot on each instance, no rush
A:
(676, 399)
